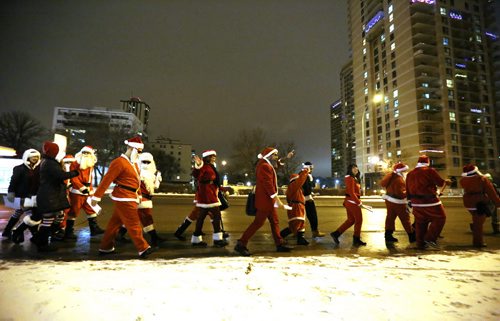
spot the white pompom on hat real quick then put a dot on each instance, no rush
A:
(135, 142)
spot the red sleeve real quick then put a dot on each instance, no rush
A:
(114, 170)
(267, 180)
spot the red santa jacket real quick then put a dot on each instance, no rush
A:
(478, 188)
(352, 190)
(125, 175)
(395, 187)
(266, 187)
(295, 195)
(421, 186)
(83, 180)
(208, 187)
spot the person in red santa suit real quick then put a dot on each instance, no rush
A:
(266, 202)
(81, 189)
(352, 204)
(207, 199)
(421, 188)
(296, 200)
(478, 191)
(150, 180)
(396, 203)
(124, 172)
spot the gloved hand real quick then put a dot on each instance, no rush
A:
(11, 196)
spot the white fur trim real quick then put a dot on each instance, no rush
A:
(422, 165)
(218, 236)
(140, 253)
(260, 156)
(28, 221)
(146, 204)
(208, 153)
(148, 228)
(196, 239)
(402, 169)
(107, 251)
(394, 200)
(134, 144)
(296, 218)
(426, 205)
(274, 195)
(208, 205)
(471, 172)
(198, 166)
(87, 149)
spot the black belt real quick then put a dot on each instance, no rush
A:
(128, 188)
(86, 184)
(147, 196)
(394, 196)
(424, 196)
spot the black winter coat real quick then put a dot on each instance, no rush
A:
(51, 196)
(24, 181)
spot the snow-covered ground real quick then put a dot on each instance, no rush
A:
(443, 286)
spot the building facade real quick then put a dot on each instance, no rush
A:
(181, 152)
(423, 82)
(139, 108)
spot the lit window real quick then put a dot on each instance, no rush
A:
(386, 99)
(443, 11)
(382, 37)
(389, 10)
(449, 83)
(478, 38)
(424, 84)
(398, 152)
(365, 74)
(427, 107)
(393, 46)
(395, 93)
(426, 95)
(391, 28)
(364, 51)
(396, 103)
(367, 116)
(391, 17)
(366, 91)
(445, 41)
(364, 42)
(389, 154)
(452, 116)
(396, 113)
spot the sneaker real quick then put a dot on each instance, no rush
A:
(242, 250)
(199, 244)
(225, 235)
(180, 237)
(106, 252)
(144, 254)
(220, 243)
(302, 241)
(431, 246)
(283, 248)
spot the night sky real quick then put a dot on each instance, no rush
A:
(207, 68)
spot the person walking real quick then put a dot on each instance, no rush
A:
(124, 172)
(207, 199)
(24, 184)
(266, 202)
(352, 203)
(296, 200)
(421, 188)
(396, 203)
(52, 197)
(81, 189)
(478, 191)
(311, 213)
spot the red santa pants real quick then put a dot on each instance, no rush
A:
(146, 216)
(429, 222)
(195, 213)
(125, 213)
(397, 210)
(258, 222)
(79, 202)
(354, 217)
(296, 218)
(477, 228)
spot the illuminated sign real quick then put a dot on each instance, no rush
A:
(460, 66)
(424, 1)
(492, 35)
(455, 15)
(475, 110)
(373, 21)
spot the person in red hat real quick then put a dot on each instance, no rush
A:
(124, 172)
(81, 189)
(421, 188)
(266, 202)
(207, 199)
(52, 197)
(396, 203)
(23, 184)
(296, 200)
(352, 204)
(478, 192)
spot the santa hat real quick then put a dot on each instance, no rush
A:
(135, 142)
(68, 159)
(87, 149)
(469, 170)
(400, 167)
(293, 177)
(208, 153)
(266, 152)
(50, 149)
(423, 161)
(307, 165)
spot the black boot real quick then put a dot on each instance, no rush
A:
(301, 240)
(18, 233)
(285, 232)
(34, 232)
(283, 248)
(412, 238)
(241, 249)
(496, 229)
(335, 236)
(120, 237)
(42, 240)
(7, 231)
(155, 239)
(69, 233)
(356, 241)
(181, 229)
(389, 238)
(94, 227)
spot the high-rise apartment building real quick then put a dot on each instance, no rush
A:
(139, 108)
(423, 74)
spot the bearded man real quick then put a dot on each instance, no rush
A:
(81, 189)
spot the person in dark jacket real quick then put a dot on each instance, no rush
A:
(23, 184)
(311, 213)
(51, 197)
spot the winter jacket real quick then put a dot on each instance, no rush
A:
(51, 196)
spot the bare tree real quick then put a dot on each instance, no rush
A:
(246, 147)
(290, 165)
(21, 131)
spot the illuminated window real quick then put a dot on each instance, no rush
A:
(452, 116)
(442, 11)
(391, 28)
(449, 83)
(424, 84)
(398, 152)
(426, 95)
(395, 93)
(365, 74)
(478, 38)
(389, 154)
(366, 91)
(364, 51)
(396, 113)
(389, 10)
(445, 41)
(396, 103)
(382, 37)
(427, 107)
(391, 17)
(393, 46)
